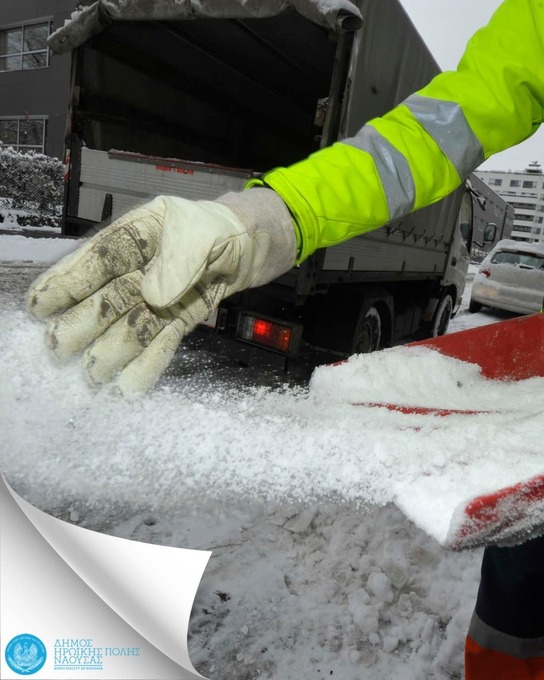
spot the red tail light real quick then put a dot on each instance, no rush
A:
(264, 332)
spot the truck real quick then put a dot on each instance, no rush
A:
(194, 99)
(493, 220)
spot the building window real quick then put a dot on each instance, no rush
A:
(24, 134)
(496, 182)
(526, 206)
(24, 47)
(529, 184)
(514, 182)
(518, 227)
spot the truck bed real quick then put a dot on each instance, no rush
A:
(131, 179)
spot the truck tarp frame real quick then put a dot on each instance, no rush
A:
(336, 15)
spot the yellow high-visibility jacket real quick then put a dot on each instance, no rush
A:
(424, 148)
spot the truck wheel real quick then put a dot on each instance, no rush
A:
(369, 333)
(442, 316)
(474, 307)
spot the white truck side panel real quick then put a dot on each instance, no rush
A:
(132, 179)
(378, 252)
(419, 242)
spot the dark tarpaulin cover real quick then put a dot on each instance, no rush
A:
(337, 15)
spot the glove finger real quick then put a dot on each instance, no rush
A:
(125, 246)
(144, 371)
(142, 343)
(147, 367)
(122, 342)
(81, 325)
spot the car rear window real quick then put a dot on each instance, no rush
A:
(518, 258)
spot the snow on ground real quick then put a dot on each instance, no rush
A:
(21, 248)
(314, 571)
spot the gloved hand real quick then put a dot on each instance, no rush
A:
(131, 293)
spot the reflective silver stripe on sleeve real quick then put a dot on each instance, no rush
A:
(447, 125)
(488, 638)
(393, 169)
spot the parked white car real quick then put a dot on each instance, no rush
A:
(511, 277)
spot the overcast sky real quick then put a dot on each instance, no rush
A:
(446, 25)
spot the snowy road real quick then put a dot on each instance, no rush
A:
(299, 588)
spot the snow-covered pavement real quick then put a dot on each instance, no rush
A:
(314, 570)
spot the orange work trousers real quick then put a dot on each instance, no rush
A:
(486, 664)
(506, 635)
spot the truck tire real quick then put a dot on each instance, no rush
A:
(442, 316)
(474, 306)
(369, 332)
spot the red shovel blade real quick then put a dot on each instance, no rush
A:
(420, 410)
(510, 514)
(508, 350)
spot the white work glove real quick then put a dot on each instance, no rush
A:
(131, 293)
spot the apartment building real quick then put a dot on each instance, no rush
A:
(524, 191)
(34, 84)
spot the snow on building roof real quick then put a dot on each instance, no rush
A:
(337, 15)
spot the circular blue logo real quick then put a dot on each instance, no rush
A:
(25, 654)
